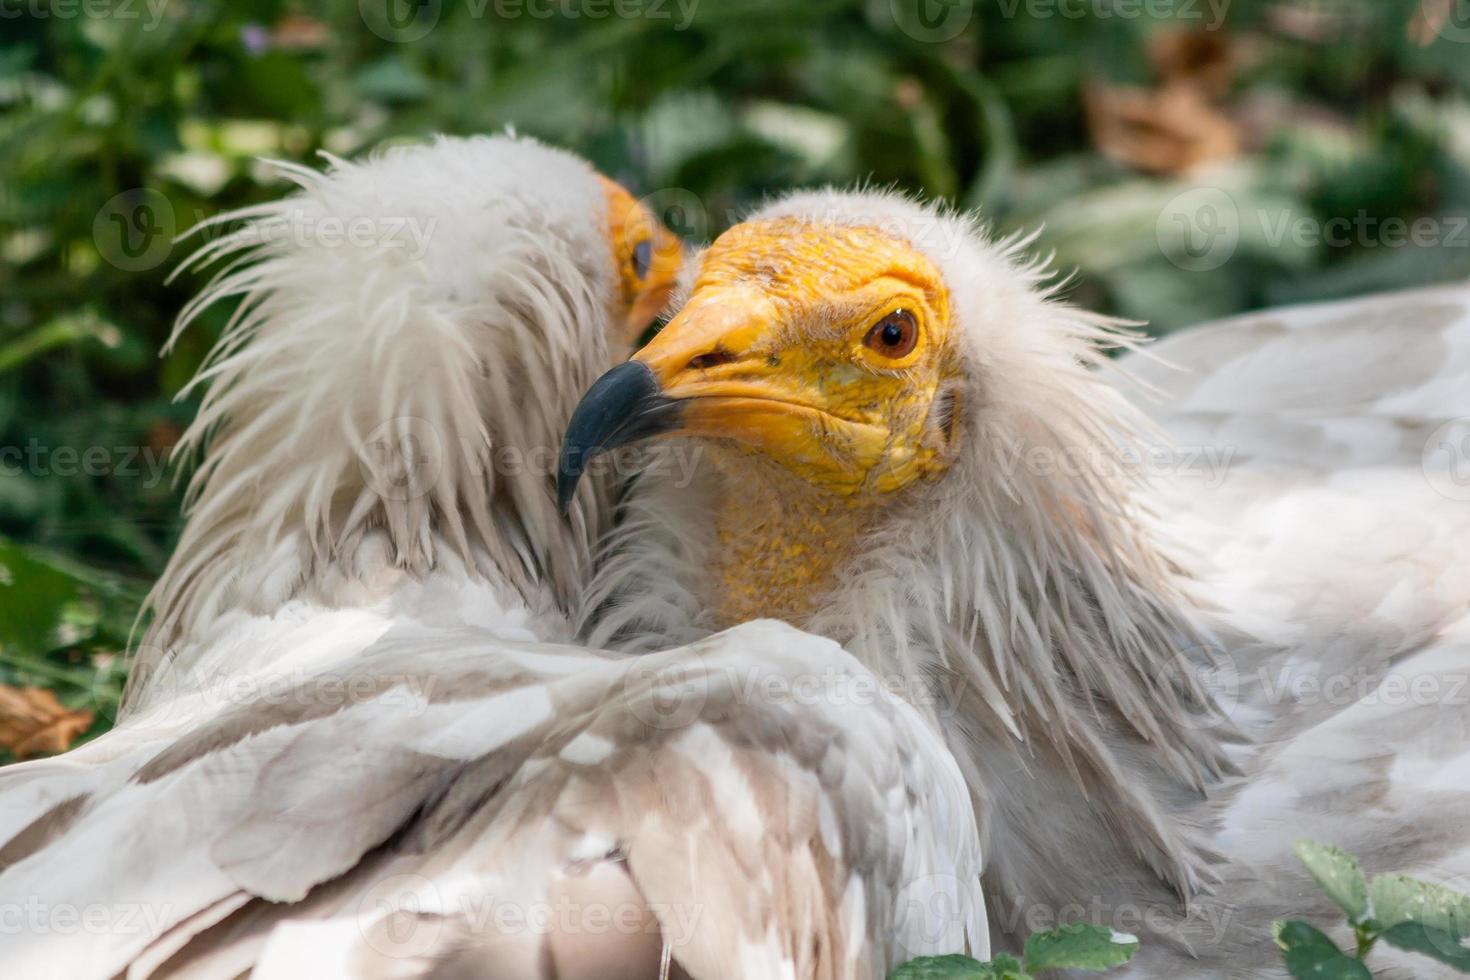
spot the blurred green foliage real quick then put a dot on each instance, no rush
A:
(123, 122)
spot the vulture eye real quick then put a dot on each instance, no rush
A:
(642, 258)
(893, 336)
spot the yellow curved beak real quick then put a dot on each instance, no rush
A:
(718, 357)
(715, 371)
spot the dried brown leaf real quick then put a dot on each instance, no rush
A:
(1166, 130)
(298, 32)
(1205, 60)
(163, 436)
(33, 722)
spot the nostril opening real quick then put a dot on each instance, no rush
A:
(711, 359)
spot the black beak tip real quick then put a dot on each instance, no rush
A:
(622, 406)
(567, 478)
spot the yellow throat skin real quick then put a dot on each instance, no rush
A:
(779, 544)
(815, 426)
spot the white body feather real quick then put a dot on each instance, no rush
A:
(1336, 536)
(487, 808)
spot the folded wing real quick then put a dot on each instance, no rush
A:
(756, 805)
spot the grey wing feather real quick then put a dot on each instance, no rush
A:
(1392, 355)
(451, 824)
(1318, 466)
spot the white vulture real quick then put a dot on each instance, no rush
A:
(1162, 649)
(354, 746)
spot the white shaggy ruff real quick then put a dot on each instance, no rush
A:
(412, 333)
(1026, 593)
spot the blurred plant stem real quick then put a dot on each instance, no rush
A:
(57, 333)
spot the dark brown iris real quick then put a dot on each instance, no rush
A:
(893, 336)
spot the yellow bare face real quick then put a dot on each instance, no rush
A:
(826, 348)
(647, 256)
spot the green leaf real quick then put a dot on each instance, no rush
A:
(68, 329)
(1419, 938)
(1310, 955)
(957, 967)
(1005, 967)
(954, 967)
(47, 601)
(1399, 898)
(1079, 947)
(33, 598)
(392, 81)
(1337, 874)
(276, 83)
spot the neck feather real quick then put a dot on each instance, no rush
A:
(373, 409)
(1029, 597)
